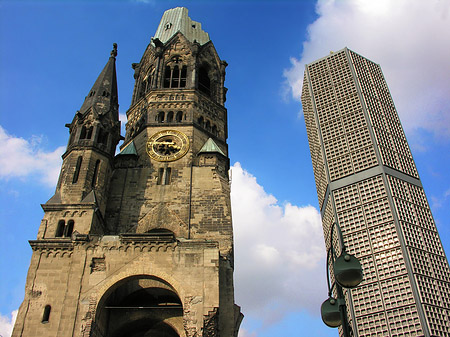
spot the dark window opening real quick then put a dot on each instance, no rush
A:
(60, 229)
(174, 77)
(160, 116)
(160, 176)
(77, 170)
(164, 176)
(86, 132)
(167, 75)
(83, 133)
(94, 177)
(167, 176)
(214, 130)
(183, 77)
(204, 83)
(200, 121)
(179, 116)
(208, 126)
(169, 118)
(46, 315)
(68, 230)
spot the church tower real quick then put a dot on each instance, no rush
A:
(141, 243)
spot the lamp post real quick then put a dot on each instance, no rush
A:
(347, 274)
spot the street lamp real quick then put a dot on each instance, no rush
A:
(348, 274)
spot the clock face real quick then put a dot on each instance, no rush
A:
(167, 145)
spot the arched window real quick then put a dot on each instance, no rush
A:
(167, 77)
(164, 176)
(60, 228)
(86, 132)
(69, 228)
(94, 177)
(46, 315)
(77, 170)
(160, 176)
(89, 132)
(83, 133)
(174, 77)
(200, 121)
(160, 116)
(169, 118)
(179, 116)
(208, 126)
(204, 83)
(183, 77)
(168, 176)
(214, 130)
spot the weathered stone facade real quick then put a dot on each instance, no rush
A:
(141, 243)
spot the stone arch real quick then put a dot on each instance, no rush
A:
(139, 305)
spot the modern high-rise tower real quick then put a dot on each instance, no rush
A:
(141, 243)
(368, 183)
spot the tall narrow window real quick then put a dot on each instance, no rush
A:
(169, 118)
(77, 170)
(167, 176)
(179, 116)
(160, 176)
(60, 228)
(89, 132)
(83, 133)
(167, 77)
(46, 315)
(160, 116)
(183, 77)
(204, 83)
(69, 228)
(175, 77)
(94, 177)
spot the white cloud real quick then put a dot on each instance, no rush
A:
(123, 120)
(408, 38)
(279, 252)
(246, 333)
(7, 324)
(21, 158)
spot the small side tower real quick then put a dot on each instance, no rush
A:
(73, 214)
(88, 162)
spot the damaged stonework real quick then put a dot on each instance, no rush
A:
(211, 324)
(140, 243)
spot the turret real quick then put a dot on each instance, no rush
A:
(88, 160)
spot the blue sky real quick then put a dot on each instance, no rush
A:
(52, 53)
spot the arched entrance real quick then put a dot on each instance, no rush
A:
(140, 306)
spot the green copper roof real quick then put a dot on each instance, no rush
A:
(211, 146)
(129, 149)
(177, 20)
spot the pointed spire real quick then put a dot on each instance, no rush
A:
(103, 95)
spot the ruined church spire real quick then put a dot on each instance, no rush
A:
(103, 96)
